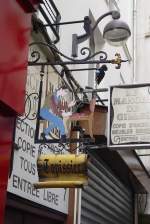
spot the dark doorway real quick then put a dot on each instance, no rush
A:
(16, 216)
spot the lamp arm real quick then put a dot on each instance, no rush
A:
(79, 39)
(115, 15)
(86, 35)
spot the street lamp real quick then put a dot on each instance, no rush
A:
(115, 32)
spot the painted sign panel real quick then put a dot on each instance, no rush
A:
(24, 173)
(68, 170)
(129, 116)
(55, 115)
(58, 116)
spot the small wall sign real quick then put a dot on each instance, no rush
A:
(25, 174)
(129, 116)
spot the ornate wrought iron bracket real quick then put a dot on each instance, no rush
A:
(86, 52)
(87, 58)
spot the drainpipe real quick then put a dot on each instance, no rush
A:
(77, 206)
(134, 81)
(77, 202)
(134, 40)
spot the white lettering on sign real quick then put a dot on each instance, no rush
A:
(130, 122)
(24, 173)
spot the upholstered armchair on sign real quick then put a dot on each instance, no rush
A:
(86, 115)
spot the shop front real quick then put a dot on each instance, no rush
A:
(25, 204)
(22, 211)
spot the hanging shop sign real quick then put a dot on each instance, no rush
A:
(67, 170)
(24, 170)
(129, 116)
(57, 112)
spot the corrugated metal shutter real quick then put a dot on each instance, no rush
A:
(105, 200)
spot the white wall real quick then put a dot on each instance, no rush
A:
(143, 52)
(143, 41)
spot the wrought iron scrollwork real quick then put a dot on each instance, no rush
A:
(35, 55)
(60, 148)
(31, 105)
(85, 51)
(102, 56)
(52, 148)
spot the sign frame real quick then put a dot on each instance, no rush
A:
(128, 145)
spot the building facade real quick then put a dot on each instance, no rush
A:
(117, 180)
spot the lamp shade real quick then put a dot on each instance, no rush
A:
(116, 32)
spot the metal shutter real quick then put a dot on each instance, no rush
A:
(105, 200)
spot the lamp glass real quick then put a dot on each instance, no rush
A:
(116, 32)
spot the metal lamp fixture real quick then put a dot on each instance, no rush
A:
(115, 32)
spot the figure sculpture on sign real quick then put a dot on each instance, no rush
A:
(54, 113)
